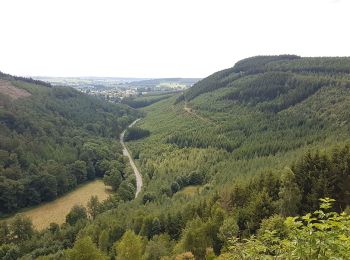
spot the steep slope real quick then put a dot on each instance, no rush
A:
(312, 67)
(51, 139)
(223, 78)
(254, 119)
(272, 105)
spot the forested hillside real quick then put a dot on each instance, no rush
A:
(145, 100)
(252, 162)
(53, 139)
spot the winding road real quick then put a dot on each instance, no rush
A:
(132, 163)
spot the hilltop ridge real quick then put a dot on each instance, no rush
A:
(259, 65)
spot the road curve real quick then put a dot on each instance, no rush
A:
(132, 163)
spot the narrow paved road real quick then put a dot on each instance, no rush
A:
(132, 163)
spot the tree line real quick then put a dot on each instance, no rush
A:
(223, 221)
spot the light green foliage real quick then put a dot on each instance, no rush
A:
(84, 249)
(130, 247)
(290, 195)
(320, 235)
(276, 224)
(195, 238)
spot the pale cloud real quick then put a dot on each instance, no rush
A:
(163, 38)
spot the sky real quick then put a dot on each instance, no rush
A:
(163, 38)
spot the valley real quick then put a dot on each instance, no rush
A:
(55, 212)
(131, 161)
(245, 162)
(175, 130)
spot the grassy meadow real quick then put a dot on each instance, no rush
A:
(56, 211)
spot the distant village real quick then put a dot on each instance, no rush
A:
(116, 89)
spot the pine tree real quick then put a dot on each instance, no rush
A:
(290, 195)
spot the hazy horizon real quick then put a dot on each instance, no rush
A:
(161, 39)
(115, 77)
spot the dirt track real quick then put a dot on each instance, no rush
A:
(193, 113)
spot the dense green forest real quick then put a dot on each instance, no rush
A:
(134, 133)
(252, 162)
(145, 100)
(54, 140)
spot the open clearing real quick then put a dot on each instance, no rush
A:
(57, 210)
(190, 190)
(8, 89)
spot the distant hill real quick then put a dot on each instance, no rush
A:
(271, 104)
(181, 81)
(287, 66)
(87, 81)
(115, 81)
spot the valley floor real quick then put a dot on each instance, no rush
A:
(56, 211)
(132, 163)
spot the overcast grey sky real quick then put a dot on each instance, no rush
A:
(162, 38)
